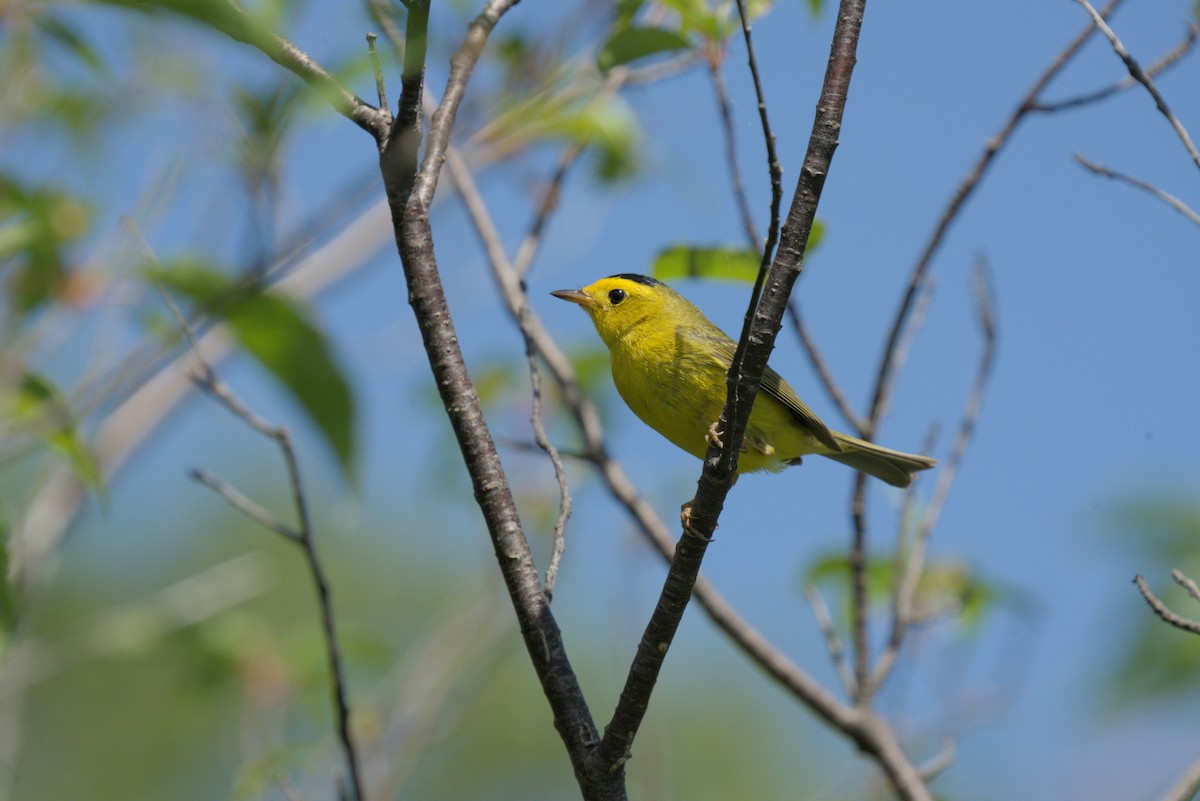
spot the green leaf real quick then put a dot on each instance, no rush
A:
(630, 44)
(67, 36)
(280, 336)
(38, 408)
(687, 261)
(40, 225)
(815, 7)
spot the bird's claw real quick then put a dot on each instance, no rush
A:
(685, 518)
(713, 437)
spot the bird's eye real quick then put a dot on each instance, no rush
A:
(616, 296)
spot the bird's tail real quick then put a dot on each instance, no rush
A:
(894, 467)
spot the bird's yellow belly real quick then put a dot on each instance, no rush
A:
(676, 399)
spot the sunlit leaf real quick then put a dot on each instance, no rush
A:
(687, 261)
(280, 335)
(815, 7)
(630, 44)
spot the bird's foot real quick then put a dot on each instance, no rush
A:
(713, 437)
(685, 518)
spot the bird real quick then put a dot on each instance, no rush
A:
(669, 364)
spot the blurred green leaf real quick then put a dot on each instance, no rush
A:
(66, 35)
(687, 261)
(280, 335)
(38, 225)
(946, 588)
(574, 110)
(36, 407)
(630, 44)
(815, 7)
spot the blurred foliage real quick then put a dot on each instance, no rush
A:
(215, 685)
(947, 589)
(34, 407)
(280, 335)
(37, 228)
(1157, 661)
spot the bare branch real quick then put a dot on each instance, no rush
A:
(1188, 785)
(745, 376)
(237, 26)
(1169, 199)
(302, 537)
(833, 642)
(246, 506)
(913, 565)
(824, 374)
(725, 111)
(409, 196)
(517, 302)
(1141, 77)
(1160, 609)
(774, 169)
(1168, 60)
(1187, 583)
(965, 189)
(377, 68)
(936, 764)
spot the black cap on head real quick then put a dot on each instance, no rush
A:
(637, 278)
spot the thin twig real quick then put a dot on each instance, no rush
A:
(377, 68)
(1187, 787)
(833, 642)
(1188, 584)
(909, 569)
(824, 374)
(907, 318)
(301, 536)
(774, 168)
(1160, 609)
(967, 187)
(238, 26)
(1168, 60)
(938, 763)
(517, 303)
(1169, 199)
(246, 506)
(1141, 77)
(721, 91)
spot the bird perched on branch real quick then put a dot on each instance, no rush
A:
(669, 364)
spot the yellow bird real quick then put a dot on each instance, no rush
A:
(669, 364)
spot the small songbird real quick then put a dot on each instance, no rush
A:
(669, 364)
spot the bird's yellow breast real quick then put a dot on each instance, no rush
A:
(677, 387)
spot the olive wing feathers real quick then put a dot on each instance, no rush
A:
(773, 384)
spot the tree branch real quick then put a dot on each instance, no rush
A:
(238, 27)
(409, 196)
(1160, 609)
(1169, 199)
(1188, 785)
(745, 376)
(1139, 75)
(1168, 60)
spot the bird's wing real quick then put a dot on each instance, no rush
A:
(774, 385)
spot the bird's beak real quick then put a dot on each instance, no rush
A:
(575, 296)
